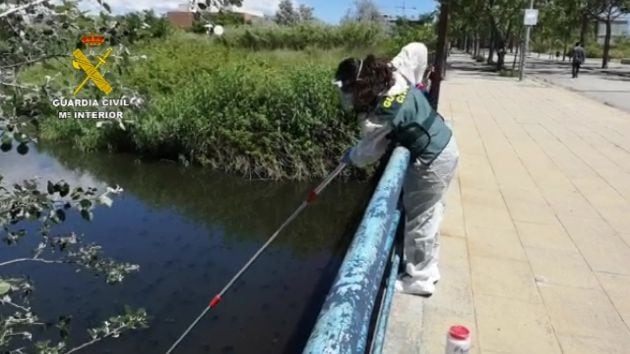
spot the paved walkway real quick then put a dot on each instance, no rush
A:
(536, 243)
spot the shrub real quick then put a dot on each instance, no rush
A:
(269, 37)
(260, 114)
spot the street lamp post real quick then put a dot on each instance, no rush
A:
(526, 44)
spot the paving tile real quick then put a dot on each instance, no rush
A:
(485, 208)
(528, 205)
(625, 237)
(602, 248)
(404, 326)
(453, 292)
(489, 242)
(618, 289)
(503, 277)
(569, 203)
(511, 326)
(453, 223)
(591, 345)
(599, 193)
(617, 218)
(475, 172)
(452, 302)
(547, 236)
(582, 312)
(561, 267)
(477, 215)
(483, 197)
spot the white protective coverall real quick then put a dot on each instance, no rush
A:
(424, 186)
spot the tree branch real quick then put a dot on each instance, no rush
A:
(31, 61)
(25, 309)
(18, 260)
(14, 85)
(97, 339)
(25, 6)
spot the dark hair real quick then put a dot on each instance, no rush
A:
(577, 44)
(366, 80)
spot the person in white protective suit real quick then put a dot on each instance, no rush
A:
(391, 109)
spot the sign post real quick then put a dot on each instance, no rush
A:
(530, 19)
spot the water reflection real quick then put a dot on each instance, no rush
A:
(190, 230)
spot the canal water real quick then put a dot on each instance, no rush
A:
(190, 230)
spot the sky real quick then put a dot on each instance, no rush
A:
(327, 10)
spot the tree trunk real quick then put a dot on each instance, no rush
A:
(440, 58)
(500, 43)
(491, 48)
(607, 43)
(477, 45)
(515, 56)
(564, 53)
(466, 47)
(584, 29)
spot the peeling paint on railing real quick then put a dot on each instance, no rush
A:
(342, 325)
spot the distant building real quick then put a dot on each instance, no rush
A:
(620, 27)
(183, 18)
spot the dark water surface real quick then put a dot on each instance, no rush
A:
(190, 230)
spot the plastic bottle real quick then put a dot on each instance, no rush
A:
(458, 340)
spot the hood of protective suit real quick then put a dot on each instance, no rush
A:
(411, 62)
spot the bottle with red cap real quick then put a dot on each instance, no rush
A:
(458, 340)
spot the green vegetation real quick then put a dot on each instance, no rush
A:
(32, 215)
(258, 102)
(262, 114)
(498, 24)
(618, 50)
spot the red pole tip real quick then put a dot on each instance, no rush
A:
(215, 301)
(311, 197)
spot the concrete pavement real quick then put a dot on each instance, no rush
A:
(536, 242)
(610, 86)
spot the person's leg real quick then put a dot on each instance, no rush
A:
(573, 67)
(577, 70)
(424, 190)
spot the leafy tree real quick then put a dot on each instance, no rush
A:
(364, 10)
(607, 11)
(558, 23)
(504, 15)
(466, 21)
(216, 4)
(39, 31)
(286, 14)
(306, 13)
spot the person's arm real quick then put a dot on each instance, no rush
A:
(373, 143)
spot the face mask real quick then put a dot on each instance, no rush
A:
(346, 102)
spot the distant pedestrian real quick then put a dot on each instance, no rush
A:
(578, 55)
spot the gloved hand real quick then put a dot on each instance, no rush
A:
(346, 157)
